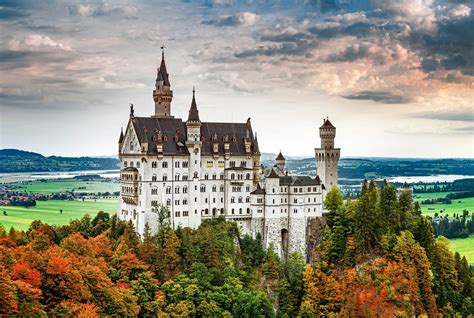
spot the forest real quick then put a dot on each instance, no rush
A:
(378, 257)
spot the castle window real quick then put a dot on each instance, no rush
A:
(164, 164)
(243, 164)
(247, 188)
(214, 188)
(210, 164)
(314, 189)
(247, 176)
(131, 145)
(185, 177)
(273, 190)
(240, 211)
(232, 176)
(154, 177)
(176, 177)
(206, 176)
(176, 202)
(203, 188)
(247, 199)
(138, 164)
(240, 200)
(176, 164)
(185, 201)
(213, 200)
(309, 189)
(125, 164)
(168, 190)
(232, 164)
(295, 200)
(185, 165)
(222, 200)
(165, 177)
(168, 202)
(259, 200)
(233, 211)
(176, 190)
(222, 188)
(185, 213)
(214, 176)
(232, 200)
(176, 213)
(248, 210)
(295, 211)
(131, 163)
(221, 164)
(221, 176)
(154, 164)
(185, 189)
(154, 191)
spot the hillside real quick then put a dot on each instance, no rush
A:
(365, 168)
(14, 160)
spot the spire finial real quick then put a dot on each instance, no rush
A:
(132, 111)
(194, 91)
(162, 51)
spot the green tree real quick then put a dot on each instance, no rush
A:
(333, 202)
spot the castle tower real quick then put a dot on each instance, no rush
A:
(327, 157)
(162, 94)
(280, 162)
(194, 145)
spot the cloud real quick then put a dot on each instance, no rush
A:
(286, 49)
(105, 9)
(239, 19)
(468, 130)
(459, 114)
(361, 51)
(384, 97)
(7, 13)
(36, 40)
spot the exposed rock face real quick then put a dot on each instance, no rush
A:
(314, 235)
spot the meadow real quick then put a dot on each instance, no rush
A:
(457, 206)
(49, 212)
(465, 247)
(64, 185)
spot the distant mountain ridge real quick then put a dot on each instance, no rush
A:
(15, 160)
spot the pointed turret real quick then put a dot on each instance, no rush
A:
(162, 94)
(193, 116)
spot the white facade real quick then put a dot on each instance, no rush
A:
(204, 170)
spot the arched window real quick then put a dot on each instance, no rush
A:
(138, 164)
(168, 190)
(233, 211)
(214, 188)
(154, 191)
(232, 176)
(168, 202)
(203, 188)
(248, 210)
(164, 164)
(221, 176)
(232, 200)
(176, 189)
(240, 211)
(247, 176)
(185, 189)
(206, 176)
(165, 177)
(240, 200)
(176, 177)
(154, 178)
(247, 199)
(185, 177)
(131, 163)
(214, 176)
(154, 164)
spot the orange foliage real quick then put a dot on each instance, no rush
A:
(24, 272)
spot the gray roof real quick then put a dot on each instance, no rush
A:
(173, 133)
(193, 111)
(299, 181)
(280, 157)
(163, 73)
(327, 124)
(259, 190)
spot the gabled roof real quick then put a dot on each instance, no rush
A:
(273, 174)
(327, 124)
(121, 136)
(299, 181)
(280, 157)
(259, 190)
(172, 132)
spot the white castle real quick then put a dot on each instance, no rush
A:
(203, 170)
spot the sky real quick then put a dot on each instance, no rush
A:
(394, 76)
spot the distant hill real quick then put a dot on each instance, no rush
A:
(362, 168)
(14, 160)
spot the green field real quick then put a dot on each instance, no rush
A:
(465, 247)
(48, 212)
(63, 185)
(430, 195)
(457, 206)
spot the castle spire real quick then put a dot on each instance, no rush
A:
(193, 111)
(162, 94)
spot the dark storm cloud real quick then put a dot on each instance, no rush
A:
(464, 114)
(384, 97)
(7, 13)
(358, 52)
(451, 48)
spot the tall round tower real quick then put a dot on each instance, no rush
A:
(327, 157)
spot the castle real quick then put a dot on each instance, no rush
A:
(202, 170)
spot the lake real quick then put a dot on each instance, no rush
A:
(26, 176)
